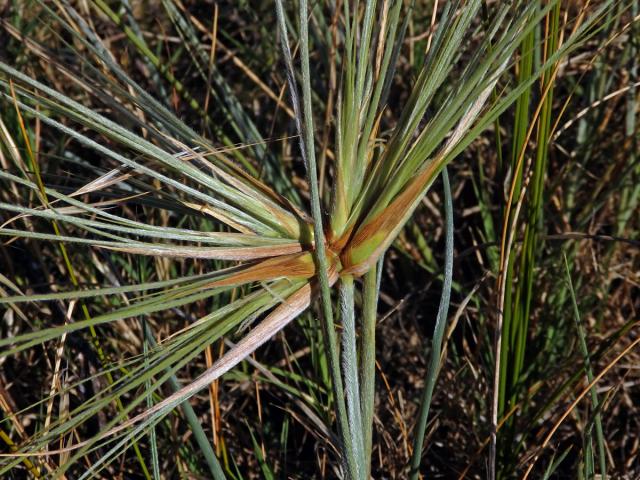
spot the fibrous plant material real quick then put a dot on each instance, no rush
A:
(236, 231)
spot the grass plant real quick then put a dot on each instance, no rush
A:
(161, 201)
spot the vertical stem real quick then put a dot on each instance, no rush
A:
(602, 458)
(320, 254)
(155, 462)
(438, 334)
(368, 357)
(304, 124)
(512, 315)
(350, 368)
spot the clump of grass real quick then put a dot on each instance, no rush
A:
(230, 233)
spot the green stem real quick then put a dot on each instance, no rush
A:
(368, 357)
(153, 440)
(438, 334)
(589, 371)
(192, 419)
(304, 124)
(350, 368)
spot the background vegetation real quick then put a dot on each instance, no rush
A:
(158, 215)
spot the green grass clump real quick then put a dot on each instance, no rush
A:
(180, 182)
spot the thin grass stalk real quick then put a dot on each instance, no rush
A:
(588, 455)
(192, 419)
(519, 295)
(198, 433)
(361, 99)
(368, 356)
(29, 465)
(520, 138)
(365, 41)
(304, 125)
(350, 370)
(438, 334)
(267, 473)
(532, 243)
(319, 252)
(387, 70)
(631, 192)
(602, 456)
(506, 247)
(395, 54)
(154, 73)
(554, 464)
(153, 439)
